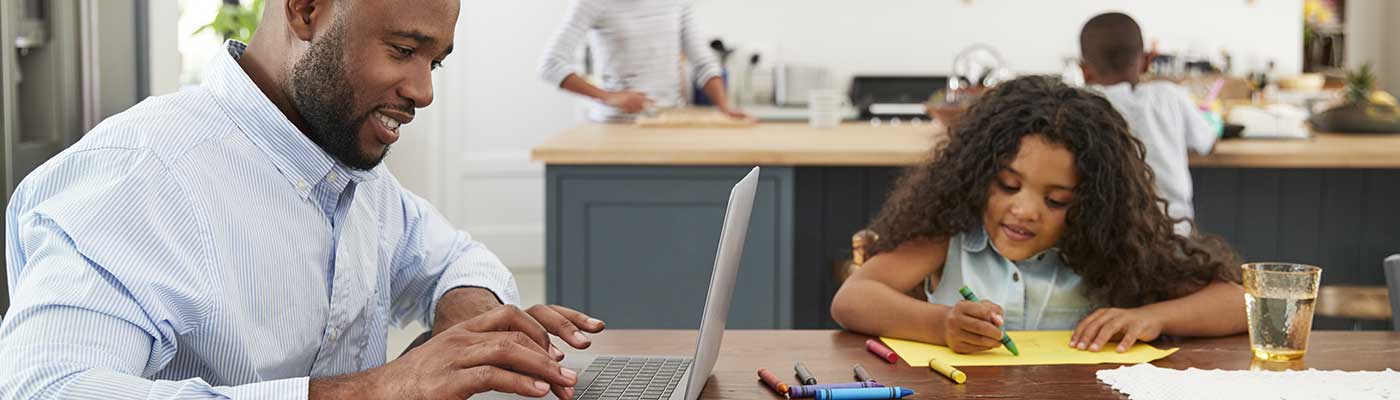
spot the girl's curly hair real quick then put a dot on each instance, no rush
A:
(1118, 237)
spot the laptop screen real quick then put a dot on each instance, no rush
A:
(731, 249)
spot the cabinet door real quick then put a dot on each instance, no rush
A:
(635, 246)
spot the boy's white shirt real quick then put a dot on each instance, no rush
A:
(1162, 115)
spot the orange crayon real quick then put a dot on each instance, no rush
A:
(773, 382)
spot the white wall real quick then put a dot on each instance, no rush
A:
(1372, 36)
(923, 36)
(1392, 48)
(469, 152)
(162, 38)
(1365, 33)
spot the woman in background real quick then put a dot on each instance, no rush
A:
(638, 46)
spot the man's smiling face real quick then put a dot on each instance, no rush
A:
(364, 75)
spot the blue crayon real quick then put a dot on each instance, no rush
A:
(811, 390)
(863, 394)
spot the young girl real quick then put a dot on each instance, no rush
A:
(1041, 203)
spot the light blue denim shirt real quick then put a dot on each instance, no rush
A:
(1038, 293)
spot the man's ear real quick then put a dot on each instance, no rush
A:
(1146, 63)
(301, 15)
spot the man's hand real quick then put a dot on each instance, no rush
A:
(567, 324)
(492, 352)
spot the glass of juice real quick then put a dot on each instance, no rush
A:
(1279, 299)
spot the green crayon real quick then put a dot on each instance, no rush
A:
(1005, 340)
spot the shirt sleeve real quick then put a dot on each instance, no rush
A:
(703, 63)
(434, 257)
(1200, 138)
(107, 267)
(558, 60)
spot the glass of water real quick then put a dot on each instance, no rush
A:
(1279, 299)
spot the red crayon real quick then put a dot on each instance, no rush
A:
(880, 350)
(773, 382)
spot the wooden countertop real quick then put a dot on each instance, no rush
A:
(860, 144)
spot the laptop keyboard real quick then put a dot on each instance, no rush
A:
(639, 378)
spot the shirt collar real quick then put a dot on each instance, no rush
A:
(300, 160)
(975, 241)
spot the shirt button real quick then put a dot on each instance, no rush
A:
(334, 334)
(301, 185)
(331, 176)
(1015, 276)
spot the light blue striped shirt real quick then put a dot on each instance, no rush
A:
(199, 246)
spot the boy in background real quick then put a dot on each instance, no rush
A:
(1161, 114)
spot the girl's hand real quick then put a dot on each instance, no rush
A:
(972, 327)
(1104, 324)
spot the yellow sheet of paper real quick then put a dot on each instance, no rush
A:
(1037, 348)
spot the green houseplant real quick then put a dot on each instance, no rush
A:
(1358, 113)
(236, 21)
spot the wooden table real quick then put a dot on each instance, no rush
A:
(830, 355)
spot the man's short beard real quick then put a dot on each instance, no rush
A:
(326, 101)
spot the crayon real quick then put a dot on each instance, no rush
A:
(1005, 340)
(881, 350)
(811, 390)
(861, 375)
(803, 375)
(947, 370)
(863, 394)
(772, 380)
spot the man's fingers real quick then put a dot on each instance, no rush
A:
(580, 320)
(556, 324)
(562, 392)
(511, 318)
(485, 378)
(509, 351)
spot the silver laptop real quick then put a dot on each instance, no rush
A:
(673, 378)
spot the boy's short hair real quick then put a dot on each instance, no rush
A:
(1111, 42)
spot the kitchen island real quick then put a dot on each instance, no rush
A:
(633, 214)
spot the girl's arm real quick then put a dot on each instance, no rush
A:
(873, 301)
(1215, 310)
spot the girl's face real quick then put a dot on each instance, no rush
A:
(1027, 201)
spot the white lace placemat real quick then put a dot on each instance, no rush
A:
(1148, 382)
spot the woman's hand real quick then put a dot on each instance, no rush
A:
(735, 112)
(628, 101)
(973, 327)
(1104, 324)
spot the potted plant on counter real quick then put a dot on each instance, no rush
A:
(1362, 110)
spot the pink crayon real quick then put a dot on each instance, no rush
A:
(880, 350)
